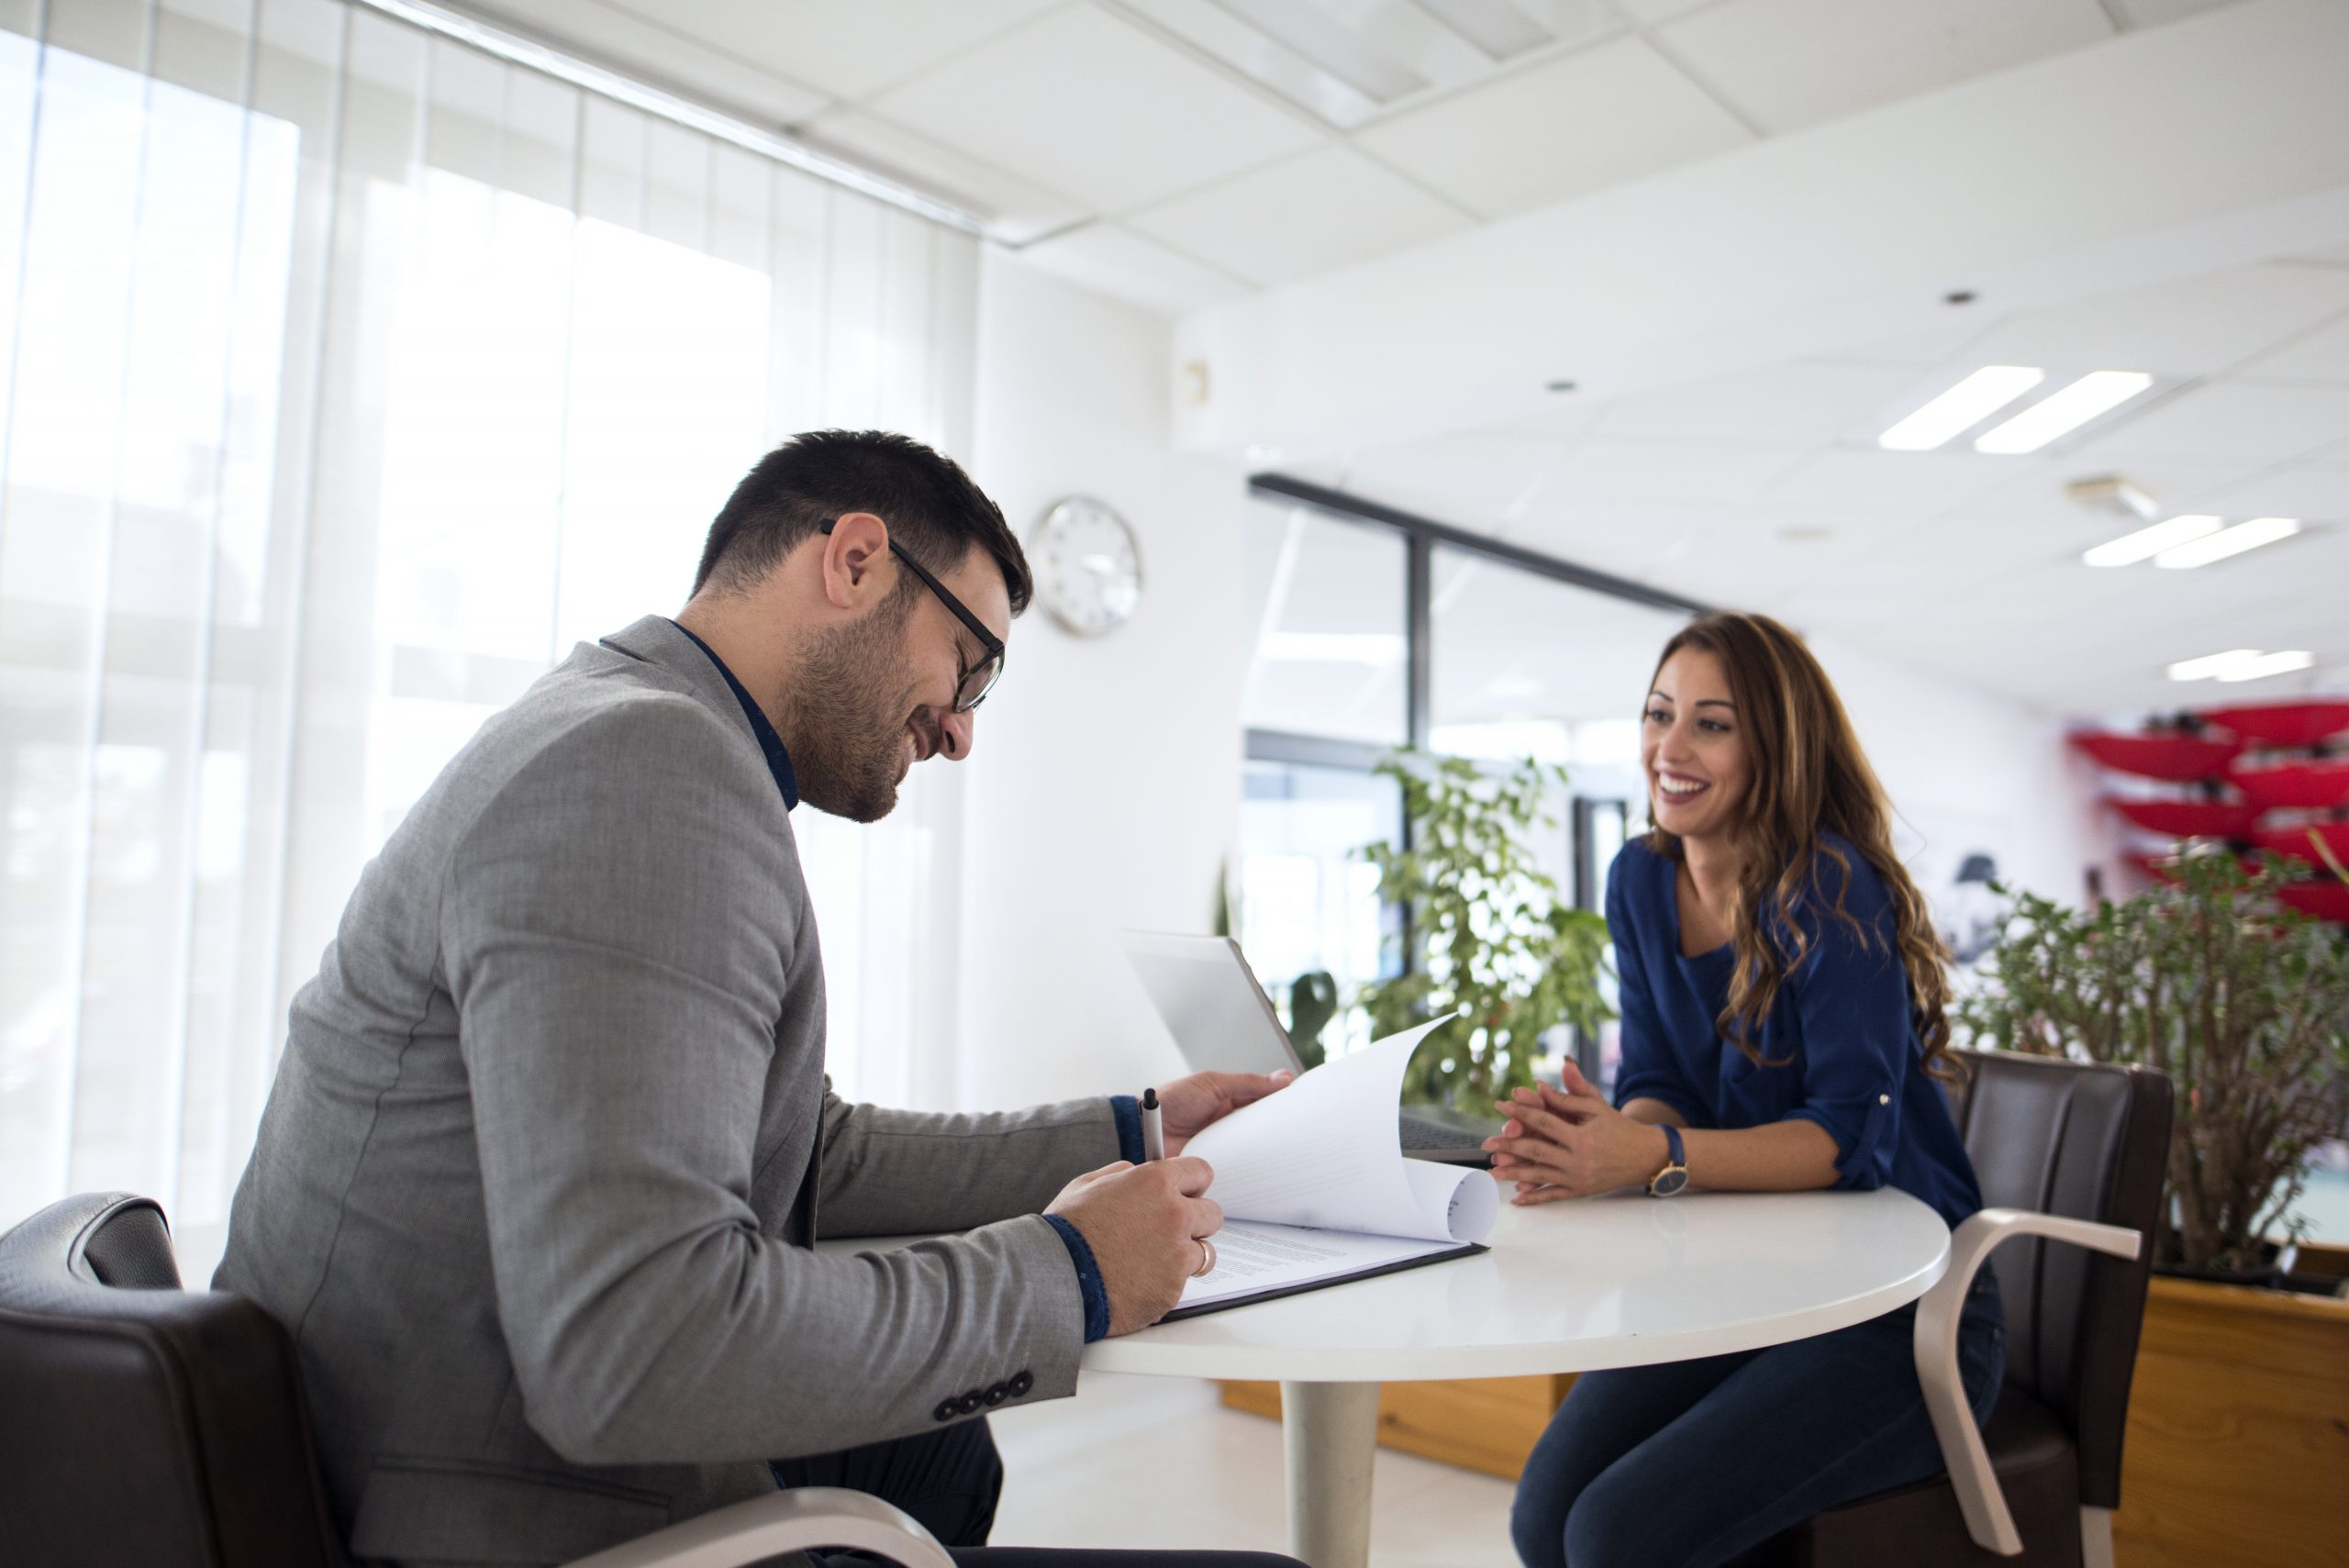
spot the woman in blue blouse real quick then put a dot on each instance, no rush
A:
(1782, 997)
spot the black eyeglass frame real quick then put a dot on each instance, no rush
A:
(996, 652)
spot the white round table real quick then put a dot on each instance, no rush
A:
(1618, 1280)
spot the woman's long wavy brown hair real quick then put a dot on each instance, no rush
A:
(1806, 778)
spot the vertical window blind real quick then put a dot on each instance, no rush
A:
(351, 376)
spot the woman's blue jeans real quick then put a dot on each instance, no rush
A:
(1687, 1465)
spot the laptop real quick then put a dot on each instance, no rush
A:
(1223, 1022)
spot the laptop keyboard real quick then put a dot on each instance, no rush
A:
(1421, 1133)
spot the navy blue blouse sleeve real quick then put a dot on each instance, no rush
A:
(1850, 999)
(1648, 1069)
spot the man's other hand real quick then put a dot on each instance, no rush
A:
(1189, 1105)
(1143, 1223)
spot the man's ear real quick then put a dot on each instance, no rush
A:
(854, 554)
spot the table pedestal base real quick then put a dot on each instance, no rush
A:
(1331, 1431)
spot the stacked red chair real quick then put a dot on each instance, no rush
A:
(2271, 777)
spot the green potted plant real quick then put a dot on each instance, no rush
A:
(1489, 934)
(2244, 1003)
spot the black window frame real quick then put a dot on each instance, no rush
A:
(1422, 535)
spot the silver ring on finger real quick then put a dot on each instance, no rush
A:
(1206, 1258)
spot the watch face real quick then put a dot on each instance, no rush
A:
(1089, 572)
(1668, 1182)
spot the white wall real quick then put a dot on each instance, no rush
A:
(1104, 790)
(1970, 771)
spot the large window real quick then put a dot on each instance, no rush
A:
(1374, 629)
(350, 377)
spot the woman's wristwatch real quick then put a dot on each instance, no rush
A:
(1674, 1174)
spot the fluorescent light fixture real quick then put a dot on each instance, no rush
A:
(2241, 664)
(1964, 405)
(2209, 664)
(1380, 649)
(2063, 412)
(1498, 29)
(1328, 42)
(2146, 543)
(2266, 665)
(2228, 542)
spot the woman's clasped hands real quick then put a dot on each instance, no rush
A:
(1569, 1142)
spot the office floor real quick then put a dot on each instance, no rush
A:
(1138, 1460)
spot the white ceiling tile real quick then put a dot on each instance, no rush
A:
(2239, 421)
(1014, 211)
(2320, 355)
(848, 50)
(1308, 213)
(1857, 476)
(1805, 402)
(1116, 262)
(2193, 327)
(2154, 13)
(1790, 63)
(652, 49)
(1646, 11)
(1083, 104)
(1591, 119)
(2312, 494)
(1598, 469)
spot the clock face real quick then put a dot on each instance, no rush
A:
(1089, 572)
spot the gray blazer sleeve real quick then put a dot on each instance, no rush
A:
(889, 1172)
(616, 940)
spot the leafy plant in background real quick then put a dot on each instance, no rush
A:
(1488, 928)
(2245, 1005)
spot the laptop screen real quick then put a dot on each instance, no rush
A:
(1217, 1013)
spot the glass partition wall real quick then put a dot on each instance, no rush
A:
(1374, 630)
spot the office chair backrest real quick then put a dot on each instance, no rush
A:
(2089, 1142)
(144, 1423)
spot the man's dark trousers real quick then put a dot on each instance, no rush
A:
(949, 1481)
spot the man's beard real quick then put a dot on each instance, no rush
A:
(849, 711)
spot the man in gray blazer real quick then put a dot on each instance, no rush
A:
(550, 1138)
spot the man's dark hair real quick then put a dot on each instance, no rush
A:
(934, 512)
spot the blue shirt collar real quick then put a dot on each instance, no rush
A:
(778, 760)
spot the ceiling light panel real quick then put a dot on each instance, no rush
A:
(2227, 542)
(2207, 666)
(2063, 411)
(1962, 407)
(1322, 38)
(1347, 61)
(2260, 666)
(1496, 27)
(2148, 542)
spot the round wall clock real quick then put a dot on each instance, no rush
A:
(1088, 569)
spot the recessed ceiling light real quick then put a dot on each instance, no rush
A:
(2228, 542)
(1963, 406)
(2063, 411)
(2146, 543)
(2241, 664)
(2267, 664)
(2209, 664)
(1805, 533)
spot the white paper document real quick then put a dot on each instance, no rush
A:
(1314, 1187)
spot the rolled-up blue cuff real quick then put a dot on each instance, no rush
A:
(1128, 1110)
(1088, 1278)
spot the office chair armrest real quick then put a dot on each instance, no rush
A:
(1988, 1519)
(801, 1519)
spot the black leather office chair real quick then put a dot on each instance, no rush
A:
(140, 1423)
(2066, 1152)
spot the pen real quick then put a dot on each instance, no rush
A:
(1153, 1141)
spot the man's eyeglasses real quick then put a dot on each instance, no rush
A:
(972, 686)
